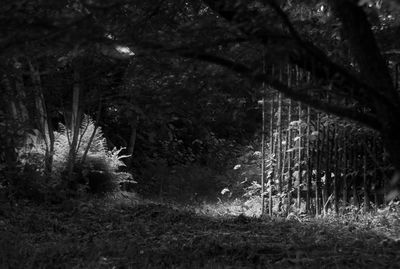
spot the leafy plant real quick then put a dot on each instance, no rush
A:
(99, 173)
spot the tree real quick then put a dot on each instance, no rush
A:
(347, 54)
(367, 82)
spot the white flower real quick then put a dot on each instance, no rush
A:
(237, 167)
(225, 190)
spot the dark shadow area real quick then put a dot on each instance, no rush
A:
(90, 235)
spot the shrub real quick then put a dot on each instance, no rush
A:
(62, 144)
(98, 173)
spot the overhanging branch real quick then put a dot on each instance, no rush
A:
(340, 111)
(305, 55)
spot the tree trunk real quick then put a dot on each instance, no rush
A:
(391, 140)
(381, 95)
(12, 100)
(43, 117)
(10, 155)
(21, 97)
(75, 125)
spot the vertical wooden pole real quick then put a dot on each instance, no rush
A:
(354, 183)
(279, 146)
(271, 154)
(299, 179)
(289, 147)
(318, 167)
(336, 152)
(365, 180)
(375, 177)
(328, 164)
(309, 162)
(345, 169)
(263, 152)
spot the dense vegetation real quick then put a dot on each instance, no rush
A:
(241, 108)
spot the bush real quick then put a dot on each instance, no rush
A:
(98, 173)
(62, 145)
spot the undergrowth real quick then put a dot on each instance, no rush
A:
(96, 169)
(123, 231)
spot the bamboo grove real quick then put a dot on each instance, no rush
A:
(316, 163)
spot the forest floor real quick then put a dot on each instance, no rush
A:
(100, 234)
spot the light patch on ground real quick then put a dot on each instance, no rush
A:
(125, 50)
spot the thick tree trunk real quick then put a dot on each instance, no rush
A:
(374, 71)
(11, 102)
(10, 156)
(391, 139)
(21, 97)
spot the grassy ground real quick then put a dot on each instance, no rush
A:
(101, 234)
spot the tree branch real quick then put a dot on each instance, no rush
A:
(21, 40)
(340, 111)
(373, 68)
(305, 54)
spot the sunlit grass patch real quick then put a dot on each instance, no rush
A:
(384, 221)
(122, 199)
(249, 207)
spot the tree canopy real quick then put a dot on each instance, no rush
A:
(190, 66)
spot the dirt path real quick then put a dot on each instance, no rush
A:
(156, 236)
